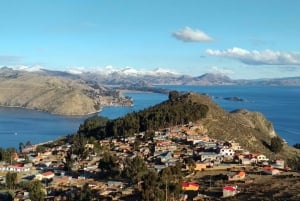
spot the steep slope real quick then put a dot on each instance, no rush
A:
(46, 93)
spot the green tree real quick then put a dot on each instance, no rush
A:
(276, 144)
(173, 95)
(135, 169)
(151, 187)
(11, 180)
(28, 143)
(94, 126)
(109, 165)
(21, 147)
(40, 149)
(7, 154)
(294, 163)
(78, 147)
(297, 145)
(68, 161)
(86, 193)
(34, 188)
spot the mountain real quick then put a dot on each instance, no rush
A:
(130, 76)
(52, 94)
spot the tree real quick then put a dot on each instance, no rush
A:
(68, 161)
(276, 144)
(27, 144)
(11, 180)
(94, 126)
(40, 149)
(191, 164)
(109, 165)
(151, 187)
(173, 95)
(297, 145)
(8, 154)
(86, 193)
(294, 163)
(21, 146)
(35, 190)
(135, 169)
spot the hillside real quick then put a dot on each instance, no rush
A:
(47, 93)
(251, 129)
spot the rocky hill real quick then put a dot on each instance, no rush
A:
(47, 93)
(251, 129)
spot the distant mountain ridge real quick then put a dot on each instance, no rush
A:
(128, 75)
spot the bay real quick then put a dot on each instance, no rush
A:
(280, 105)
(22, 125)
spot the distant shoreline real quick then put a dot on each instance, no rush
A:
(52, 113)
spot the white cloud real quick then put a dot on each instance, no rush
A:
(254, 57)
(190, 35)
(32, 68)
(220, 70)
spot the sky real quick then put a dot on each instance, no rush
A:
(244, 39)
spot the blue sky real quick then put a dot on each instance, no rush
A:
(243, 39)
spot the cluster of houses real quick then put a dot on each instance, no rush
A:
(167, 147)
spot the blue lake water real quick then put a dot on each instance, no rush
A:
(279, 104)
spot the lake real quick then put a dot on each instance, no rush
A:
(279, 104)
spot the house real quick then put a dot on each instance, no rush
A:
(227, 151)
(199, 166)
(166, 156)
(45, 175)
(207, 145)
(89, 146)
(229, 191)
(261, 158)
(29, 148)
(271, 170)
(14, 168)
(210, 156)
(190, 186)
(279, 163)
(236, 146)
(245, 161)
(236, 176)
(117, 184)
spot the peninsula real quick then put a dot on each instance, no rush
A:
(54, 94)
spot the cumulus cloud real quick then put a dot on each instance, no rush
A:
(190, 35)
(265, 57)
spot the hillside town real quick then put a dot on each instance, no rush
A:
(212, 169)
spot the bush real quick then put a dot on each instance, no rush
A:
(276, 144)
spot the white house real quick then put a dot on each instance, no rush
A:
(227, 151)
(261, 158)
